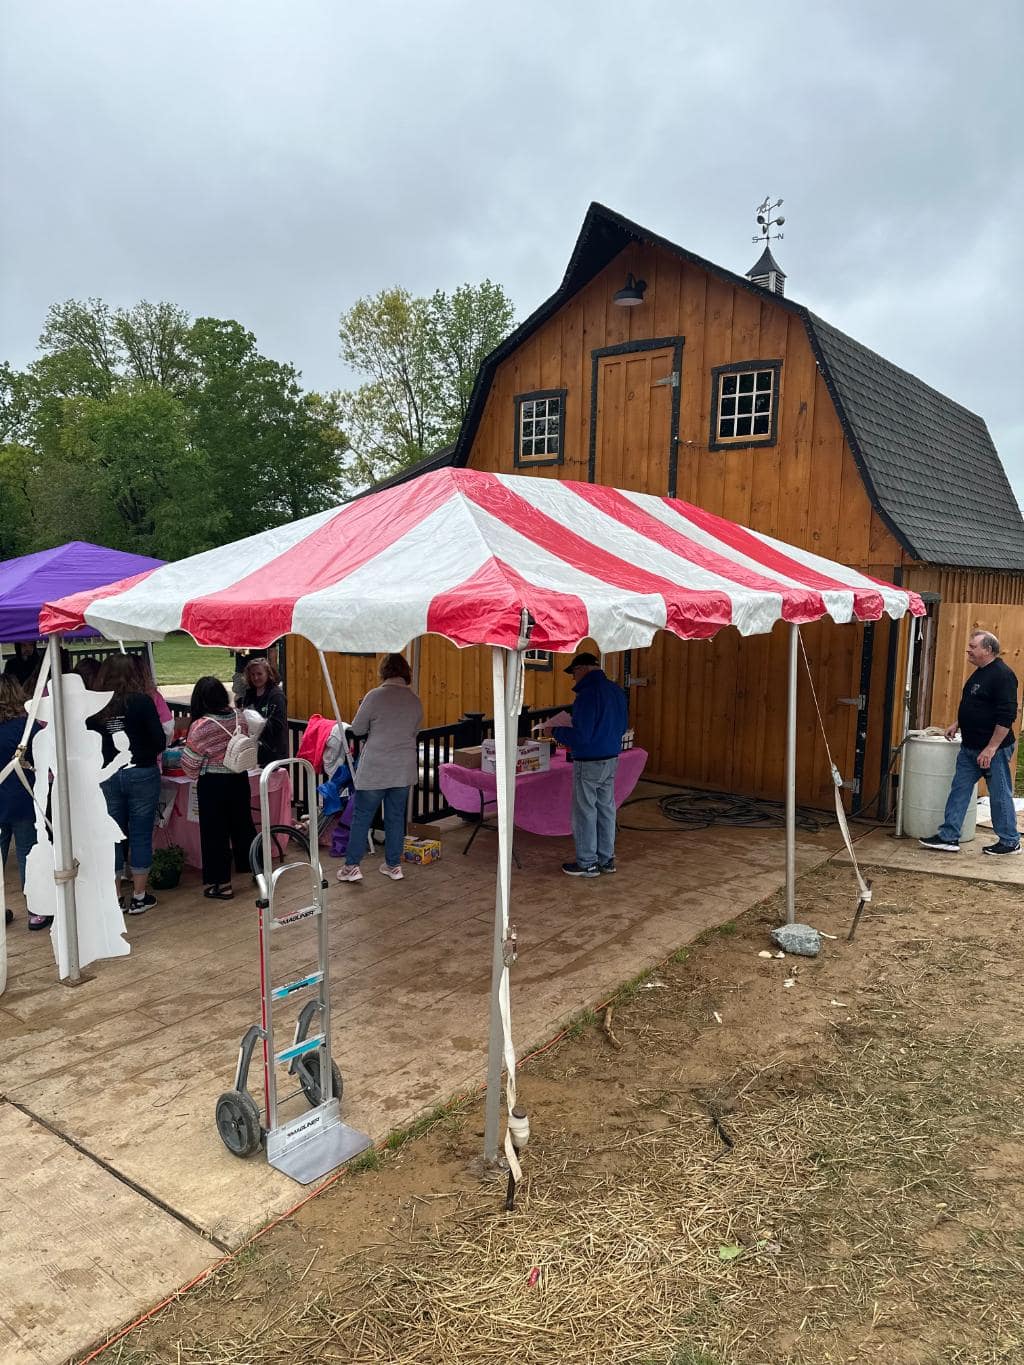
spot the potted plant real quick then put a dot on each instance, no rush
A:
(165, 871)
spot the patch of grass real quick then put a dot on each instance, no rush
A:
(680, 955)
(630, 989)
(440, 1114)
(579, 1024)
(707, 936)
(370, 1160)
(179, 659)
(692, 1355)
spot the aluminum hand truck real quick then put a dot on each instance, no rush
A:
(309, 1146)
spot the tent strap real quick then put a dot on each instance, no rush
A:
(837, 782)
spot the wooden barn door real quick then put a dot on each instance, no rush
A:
(634, 415)
(634, 428)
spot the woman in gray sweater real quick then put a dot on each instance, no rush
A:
(388, 721)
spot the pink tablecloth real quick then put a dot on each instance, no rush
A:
(543, 800)
(184, 832)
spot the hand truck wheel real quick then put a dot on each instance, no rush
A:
(286, 839)
(238, 1122)
(309, 1078)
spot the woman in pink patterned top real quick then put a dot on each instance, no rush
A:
(226, 830)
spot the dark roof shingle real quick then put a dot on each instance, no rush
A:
(929, 465)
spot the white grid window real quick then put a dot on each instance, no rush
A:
(745, 405)
(540, 659)
(540, 428)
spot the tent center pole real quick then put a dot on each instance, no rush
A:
(794, 643)
(63, 842)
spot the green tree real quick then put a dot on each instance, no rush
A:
(18, 471)
(125, 469)
(420, 358)
(273, 453)
(90, 348)
(144, 430)
(17, 521)
(463, 328)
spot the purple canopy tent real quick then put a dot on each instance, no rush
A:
(30, 580)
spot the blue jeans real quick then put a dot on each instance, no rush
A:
(1000, 790)
(367, 803)
(24, 832)
(131, 796)
(593, 810)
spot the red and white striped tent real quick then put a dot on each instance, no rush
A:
(462, 554)
(486, 559)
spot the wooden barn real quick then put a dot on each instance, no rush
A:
(655, 370)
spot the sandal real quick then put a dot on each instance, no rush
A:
(40, 921)
(216, 892)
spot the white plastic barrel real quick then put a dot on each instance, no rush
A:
(928, 763)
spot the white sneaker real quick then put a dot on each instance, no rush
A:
(349, 874)
(395, 873)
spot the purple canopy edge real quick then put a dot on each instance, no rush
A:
(29, 581)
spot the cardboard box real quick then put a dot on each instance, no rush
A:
(421, 850)
(424, 831)
(467, 758)
(532, 756)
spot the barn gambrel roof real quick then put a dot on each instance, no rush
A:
(928, 464)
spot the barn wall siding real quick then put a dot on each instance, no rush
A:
(711, 713)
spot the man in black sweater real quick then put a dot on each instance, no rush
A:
(988, 711)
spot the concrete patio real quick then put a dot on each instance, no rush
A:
(116, 1188)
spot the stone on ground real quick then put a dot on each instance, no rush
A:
(797, 938)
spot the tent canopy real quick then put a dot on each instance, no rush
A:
(462, 553)
(30, 581)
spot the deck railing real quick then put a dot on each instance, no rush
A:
(436, 746)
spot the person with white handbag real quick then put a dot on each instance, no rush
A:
(219, 751)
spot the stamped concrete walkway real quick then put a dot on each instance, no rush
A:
(882, 849)
(114, 1186)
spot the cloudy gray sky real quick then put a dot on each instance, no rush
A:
(274, 160)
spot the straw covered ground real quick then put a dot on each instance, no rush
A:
(728, 1169)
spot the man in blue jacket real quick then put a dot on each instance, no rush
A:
(599, 718)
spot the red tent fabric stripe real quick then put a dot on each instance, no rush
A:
(689, 612)
(456, 613)
(867, 605)
(798, 604)
(69, 613)
(258, 608)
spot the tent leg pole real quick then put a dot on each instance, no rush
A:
(492, 1108)
(794, 641)
(907, 689)
(64, 842)
(329, 685)
(414, 669)
(506, 673)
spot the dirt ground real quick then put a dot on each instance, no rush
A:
(756, 1161)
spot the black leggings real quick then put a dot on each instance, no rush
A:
(225, 824)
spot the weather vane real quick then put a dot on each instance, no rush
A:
(766, 222)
